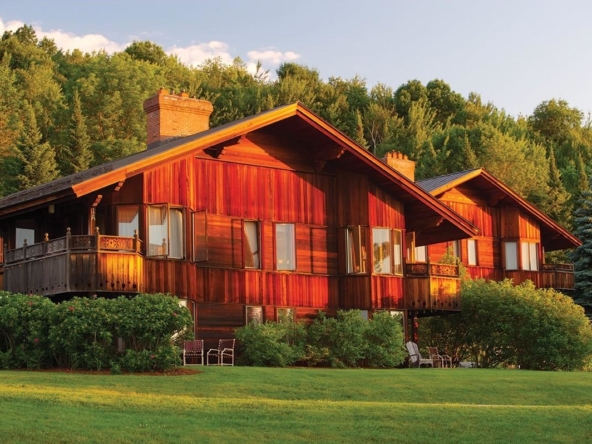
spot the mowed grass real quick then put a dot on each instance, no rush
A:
(255, 405)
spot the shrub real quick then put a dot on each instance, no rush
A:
(83, 333)
(24, 326)
(384, 341)
(502, 324)
(271, 344)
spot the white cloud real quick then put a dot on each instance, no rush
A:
(12, 25)
(272, 57)
(193, 55)
(197, 54)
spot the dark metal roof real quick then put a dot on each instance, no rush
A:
(433, 183)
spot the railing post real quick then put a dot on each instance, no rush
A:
(97, 239)
(5, 248)
(67, 259)
(136, 243)
(25, 250)
(45, 241)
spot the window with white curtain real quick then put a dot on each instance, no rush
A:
(165, 232)
(251, 244)
(511, 255)
(398, 252)
(529, 258)
(421, 254)
(472, 251)
(285, 247)
(127, 220)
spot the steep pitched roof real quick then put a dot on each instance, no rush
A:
(553, 235)
(432, 220)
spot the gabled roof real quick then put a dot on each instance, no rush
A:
(553, 235)
(430, 219)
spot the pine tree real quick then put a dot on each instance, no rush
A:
(78, 156)
(557, 201)
(37, 160)
(359, 136)
(582, 256)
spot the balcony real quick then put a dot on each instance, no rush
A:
(432, 287)
(76, 264)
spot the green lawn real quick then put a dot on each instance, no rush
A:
(238, 404)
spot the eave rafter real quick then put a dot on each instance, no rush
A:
(216, 150)
(321, 158)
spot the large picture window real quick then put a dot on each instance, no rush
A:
(355, 243)
(285, 251)
(165, 232)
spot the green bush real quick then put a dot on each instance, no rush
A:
(501, 324)
(24, 326)
(83, 333)
(271, 344)
(384, 341)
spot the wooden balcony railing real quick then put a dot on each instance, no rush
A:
(73, 263)
(431, 286)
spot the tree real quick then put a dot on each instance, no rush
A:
(582, 256)
(147, 51)
(78, 155)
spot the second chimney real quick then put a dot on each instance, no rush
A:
(401, 163)
(171, 116)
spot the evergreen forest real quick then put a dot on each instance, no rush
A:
(63, 112)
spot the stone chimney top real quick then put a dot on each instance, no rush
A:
(171, 116)
(401, 163)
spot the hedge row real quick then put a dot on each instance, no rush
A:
(345, 341)
(87, 333)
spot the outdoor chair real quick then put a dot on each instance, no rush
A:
(415, 356)
(224, 354)
(193, 349)
(441, 360)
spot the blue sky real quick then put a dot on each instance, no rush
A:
(515, 54)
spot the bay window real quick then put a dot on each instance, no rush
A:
(387, 250)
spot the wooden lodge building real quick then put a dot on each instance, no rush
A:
(275, 214)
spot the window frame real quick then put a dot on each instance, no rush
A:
(389, 249)
(254, 314)
(247, 246)
(529, 260)
(291, 243)
(183, 244)
(472, 253)
(360, 252)
(516, 258)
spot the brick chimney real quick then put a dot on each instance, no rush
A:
(171, 116)
(401, 163)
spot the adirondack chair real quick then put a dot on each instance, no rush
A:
(415, 356)
(441, 360)
(193, 349)
(223, 354)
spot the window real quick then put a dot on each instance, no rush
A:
(251, 244)
(127, 220)
(286, 315)
(472, 251)
(254, 314)
(382, 249)
(285, 251)
(421, 254)
(356, 250)
(511, 255)
(165, 231)
(24, 234)
(530, 256)
(455, 246)
(387, 250)
(398, 252)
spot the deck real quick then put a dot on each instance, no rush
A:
(75, 264)
(431, 286)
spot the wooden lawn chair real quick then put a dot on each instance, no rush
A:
(442, 360)
(193, 349)
(224, 354)
(415, 356)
